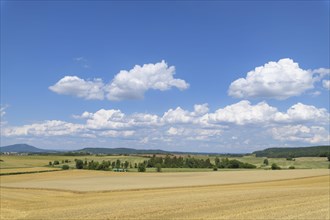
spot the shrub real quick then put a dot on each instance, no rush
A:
(158, 167)
(56, 162)
(292, 167)
(215, 168)
(65, 167)
(266, 162)
(79, 164)
(142, 167)
(275, 167)
(50, 163)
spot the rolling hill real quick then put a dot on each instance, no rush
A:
(23, 148)
(314, 151)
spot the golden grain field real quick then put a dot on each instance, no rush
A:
(285, 194)
(27, 170)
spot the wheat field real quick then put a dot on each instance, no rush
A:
(290, 194)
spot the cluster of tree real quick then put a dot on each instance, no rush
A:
(56, 162)
(104, 165)
(317, 151)
(226, 163)
(275, 167)
(191, 162)
(178, 162)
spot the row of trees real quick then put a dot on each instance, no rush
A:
(191, 162)
(56, 162)
(104, 165)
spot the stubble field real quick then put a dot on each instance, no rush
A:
(262, 194)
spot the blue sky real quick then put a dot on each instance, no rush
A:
(60, 59)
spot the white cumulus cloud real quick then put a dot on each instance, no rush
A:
(73, 85)
(125, 85)
(258, 123)
(134, 83)
(242, 113)
(278, 80)
(326, 84)
(302, 133)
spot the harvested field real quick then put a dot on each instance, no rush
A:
(26, 170)
(306, 198)
(86, 180)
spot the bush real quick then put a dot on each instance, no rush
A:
(266, 162)
(275, 167)
(158, 167)
(292, 167)
(50, 163)
(65, 167)
(215, 168)
(56, 162)
(142, 167)
(79, 164)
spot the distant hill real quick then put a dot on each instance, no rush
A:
(23, 148)
(314, 151)
(121, 151)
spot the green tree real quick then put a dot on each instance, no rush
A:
(56, 162)
(118, 163)
(158, 167)
(275, 167)
(141, 167)
(65, 167)
(79, 164)
(50, 163)
(217, 161)
(126, 164)
(266, 162)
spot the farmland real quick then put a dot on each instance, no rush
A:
(174, 193)
(41, 161)
(257, 194)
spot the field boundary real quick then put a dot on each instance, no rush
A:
(158, 188)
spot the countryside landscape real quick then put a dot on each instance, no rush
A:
(32, 182)
(165, 110)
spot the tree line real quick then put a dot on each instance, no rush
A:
(192, 162)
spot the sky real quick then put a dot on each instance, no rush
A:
(198, 76)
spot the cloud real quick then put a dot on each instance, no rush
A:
(302, 133)
(125, 85)
(277, 80)
(259, 123)
(326, 84)
(242, 113)
(47, 128)
(73, 85)
(299, 113)
(2, 111)
(134, 83)
(82, 61)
